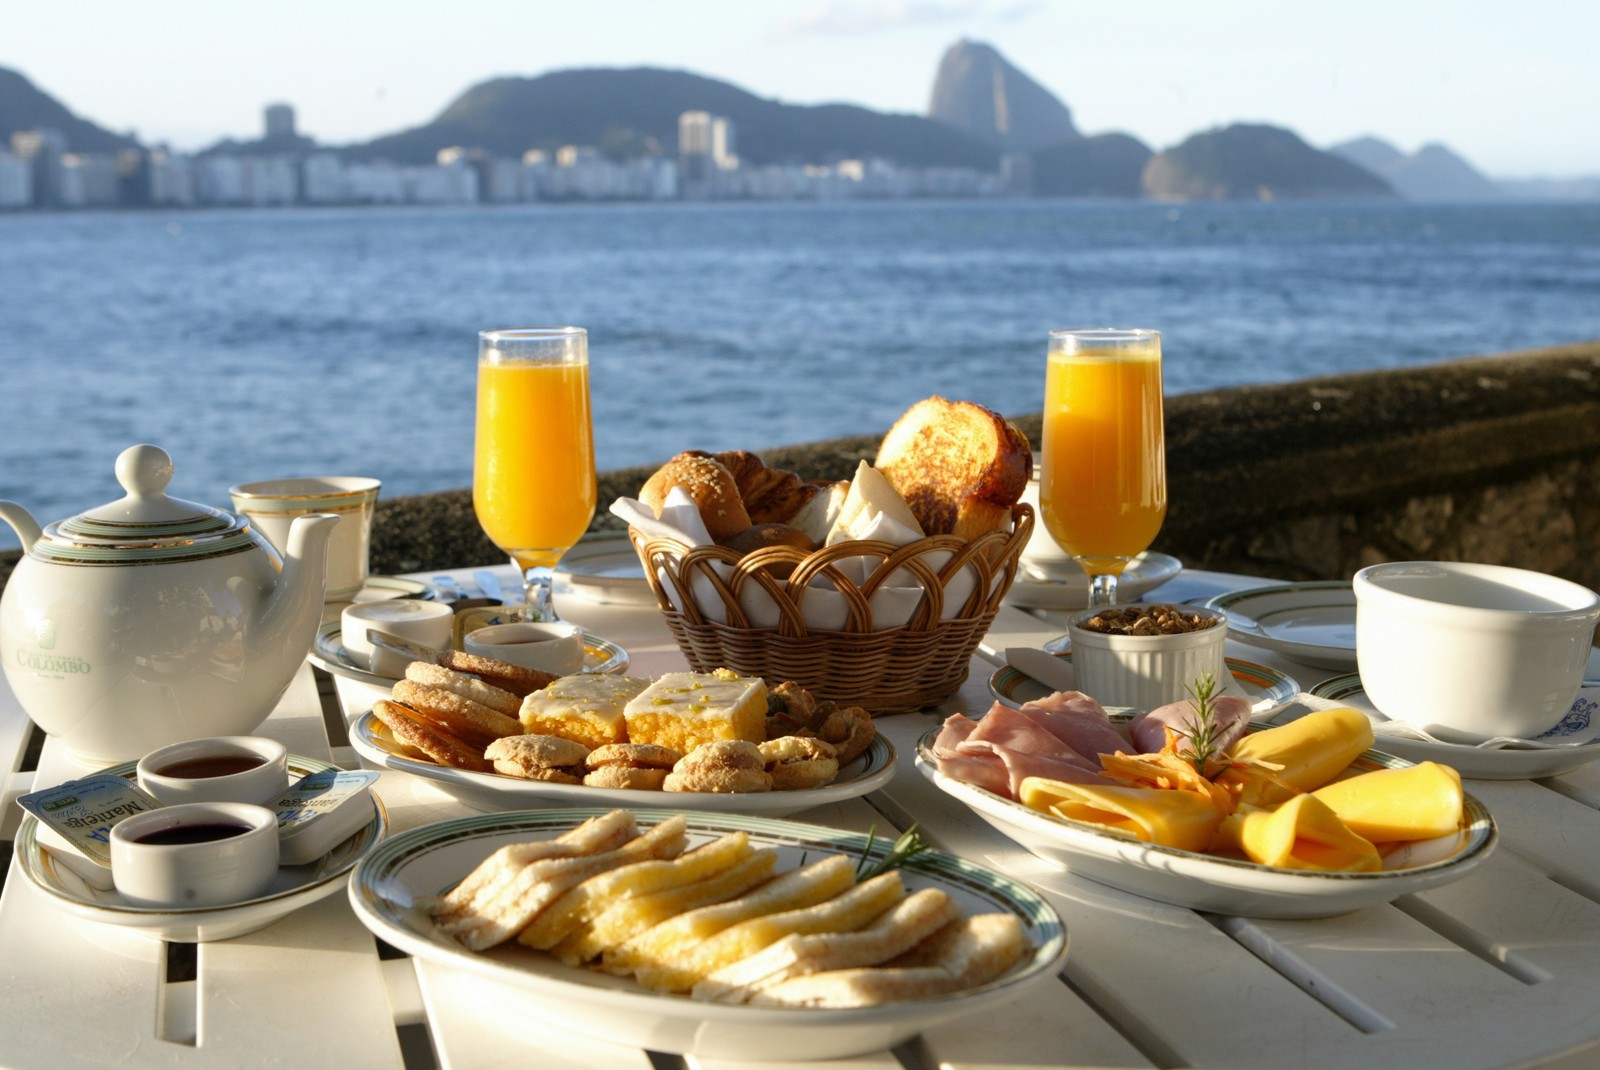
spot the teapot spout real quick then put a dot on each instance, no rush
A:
(22, 522)
(290, 616)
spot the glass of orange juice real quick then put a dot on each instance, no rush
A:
(533, 479)
(1103, 476)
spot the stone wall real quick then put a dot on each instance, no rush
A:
(1493, 459)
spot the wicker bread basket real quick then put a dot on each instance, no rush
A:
(883, 669)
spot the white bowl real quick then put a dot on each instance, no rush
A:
(1469, 652)
(1146, 671)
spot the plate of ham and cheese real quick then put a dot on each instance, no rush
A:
(1296, 821)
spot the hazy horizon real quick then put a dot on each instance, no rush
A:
(1497, 92)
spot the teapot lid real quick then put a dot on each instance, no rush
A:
(145, 524)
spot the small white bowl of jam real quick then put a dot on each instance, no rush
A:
(195, 854)
(240, 769)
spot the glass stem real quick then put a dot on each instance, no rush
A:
(538, 604)
(1102, 589)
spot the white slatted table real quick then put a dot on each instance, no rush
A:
(1500, 969)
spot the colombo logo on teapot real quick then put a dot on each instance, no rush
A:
(42, 661)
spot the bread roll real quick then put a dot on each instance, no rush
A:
(770, 495)
(959, 466)
(761, 536)
(708, 483)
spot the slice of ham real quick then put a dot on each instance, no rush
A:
(1007, 745)
(1230, 713)
(1078, 721)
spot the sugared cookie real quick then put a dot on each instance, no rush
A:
(548, 758)
(724, 767)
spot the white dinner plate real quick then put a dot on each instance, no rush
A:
(533, 986)
(385, 588)
(328, 653)
(1310, 622)
(1063, 585)
(493, 791)
(1482, 763)
(605, 569)
(293, 887)
(1212, 883)
(1266, 688)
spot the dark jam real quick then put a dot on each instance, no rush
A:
(212, 765)
(180, 834)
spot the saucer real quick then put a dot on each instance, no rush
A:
(605, 569)
(329, 654)
(1310, 622)
(1063, 585)
(292, 888)
(1480, 763)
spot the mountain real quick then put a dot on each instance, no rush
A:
(977, 91)
(638, 108)
(1105, 165)
(1255, 162)
(1432, 173)
(24, 106)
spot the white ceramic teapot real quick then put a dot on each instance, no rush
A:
(151, 620)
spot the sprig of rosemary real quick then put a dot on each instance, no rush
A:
(907, 847)
(1203, 728)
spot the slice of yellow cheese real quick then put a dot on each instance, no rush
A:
(1182, 819)
(1303, 833)
(1395, 805)
(1312, 751)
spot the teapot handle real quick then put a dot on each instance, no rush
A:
(22, 522)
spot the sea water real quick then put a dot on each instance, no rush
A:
(258, 344)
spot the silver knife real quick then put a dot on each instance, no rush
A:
(1049, 670)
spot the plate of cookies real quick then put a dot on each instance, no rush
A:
(695, 741)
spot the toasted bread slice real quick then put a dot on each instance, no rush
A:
(959, 466)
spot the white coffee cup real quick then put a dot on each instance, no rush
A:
(195, 854)
(272, 504)
(553, 647)
(427, 624)
(242, 769)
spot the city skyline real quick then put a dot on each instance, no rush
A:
(1502, 93)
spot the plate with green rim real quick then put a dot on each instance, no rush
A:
(292, 888)
(386, 891)
(1310, 622)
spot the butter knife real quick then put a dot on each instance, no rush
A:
(1042, 666)
(489, 583)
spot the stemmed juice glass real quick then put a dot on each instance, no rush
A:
(533, 479)
(1103, 472)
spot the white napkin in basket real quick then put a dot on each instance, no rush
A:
(822, 607)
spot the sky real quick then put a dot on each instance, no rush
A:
(1510, 86)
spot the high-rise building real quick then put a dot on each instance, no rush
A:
(278, 120)
(42, 149)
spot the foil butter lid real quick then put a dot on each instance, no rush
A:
(145, 524)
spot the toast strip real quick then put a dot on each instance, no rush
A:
(896, 931)
(964, 954)
(602, 833)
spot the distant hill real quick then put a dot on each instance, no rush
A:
(977, 91)
(1105, 165)
(1255, 162)
(24, 106)
(627, 110)
(1432, 173)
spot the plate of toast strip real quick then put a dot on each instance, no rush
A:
(712, 935)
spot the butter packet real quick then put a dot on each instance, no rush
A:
(75, 820)
(321, 810)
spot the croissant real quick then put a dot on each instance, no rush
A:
(770, 495)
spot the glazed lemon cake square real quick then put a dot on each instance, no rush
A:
(682, 710)
(586, 708)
